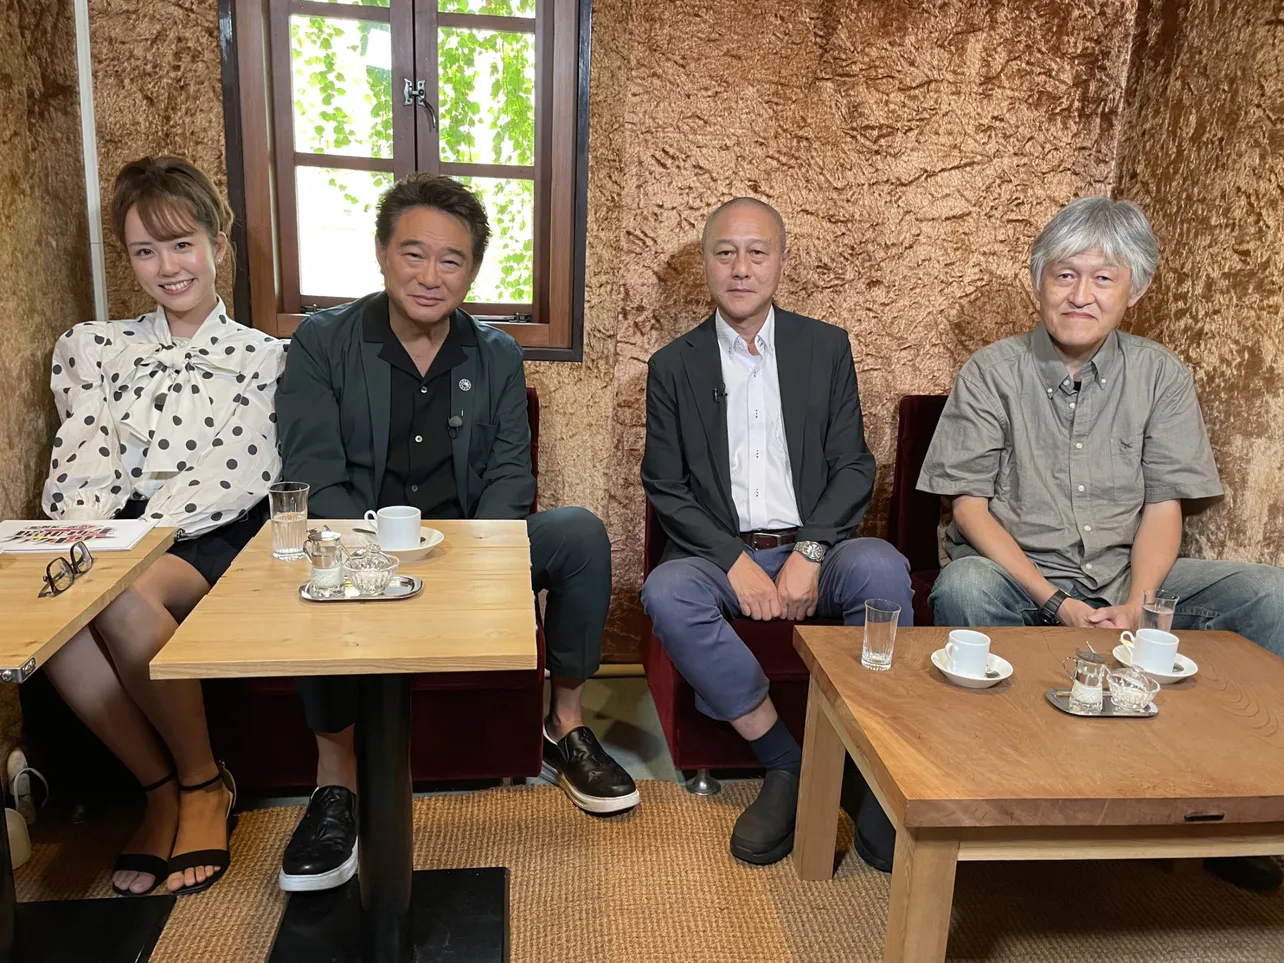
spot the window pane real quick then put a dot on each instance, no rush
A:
(487, 90)
(497, 8)
(509, 266)
(360, 3)
(342, 86)
(336, 231)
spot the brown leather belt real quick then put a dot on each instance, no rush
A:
(758, 540)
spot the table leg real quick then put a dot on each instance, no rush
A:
(918, 918)
(384, 801)
(819, 791)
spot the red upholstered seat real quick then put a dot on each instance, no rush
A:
(465, 725)
(695, 740)
(914, 515)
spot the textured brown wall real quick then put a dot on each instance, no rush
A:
(157, 90)
(44, 249)
(1203, 152)
(913, 149)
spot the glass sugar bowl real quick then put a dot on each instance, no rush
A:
(1131, 690)
(370, 570)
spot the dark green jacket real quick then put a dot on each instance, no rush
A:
(333, 401)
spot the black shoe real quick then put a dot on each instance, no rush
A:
(322, 853)
(1258, 874)
(764, 833)
(594, 781)
(875, 835)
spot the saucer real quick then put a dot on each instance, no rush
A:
(997, 663)
(428, 540)
(1183, 669)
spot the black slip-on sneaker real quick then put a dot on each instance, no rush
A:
(587, 773)
(764, 833)
(322, 853)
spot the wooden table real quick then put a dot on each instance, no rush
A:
(1000, 774)
(32, 631)
(476, 614)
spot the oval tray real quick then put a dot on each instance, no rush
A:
(400, 587)
(1061, 699)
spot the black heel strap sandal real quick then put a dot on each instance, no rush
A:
(156, 866)
(220, 859)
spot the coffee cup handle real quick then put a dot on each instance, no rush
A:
(950, 650)
(1126, 638)
(370, 515)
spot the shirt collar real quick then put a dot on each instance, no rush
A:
(1052, 368)
(728, 339)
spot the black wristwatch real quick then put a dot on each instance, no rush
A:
(1047, 615)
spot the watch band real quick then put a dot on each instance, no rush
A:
(1049, 609)
(812, 551)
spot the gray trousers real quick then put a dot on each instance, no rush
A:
(571, 558)
(690, 599)
(1235, 596)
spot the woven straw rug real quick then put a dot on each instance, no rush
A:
(658, 886)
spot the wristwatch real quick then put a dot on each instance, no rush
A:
(812, 551)
(1047, 615)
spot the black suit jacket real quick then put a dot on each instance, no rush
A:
(686, 468)
(333, 400)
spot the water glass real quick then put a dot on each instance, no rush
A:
(881, 616)
(288, 502)
(1157, 608)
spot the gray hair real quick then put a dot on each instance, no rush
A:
(1119, 228)
(743, 202)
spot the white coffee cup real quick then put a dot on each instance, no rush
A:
(968, 653)
(397, 527)
(1153, 650)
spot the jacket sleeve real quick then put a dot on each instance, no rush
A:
(666, 479)
(307, 411)
(842, 505)
(508, 485)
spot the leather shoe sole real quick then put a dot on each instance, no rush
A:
(764, 857)
(320, 881)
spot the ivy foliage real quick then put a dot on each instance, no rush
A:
(486, 104)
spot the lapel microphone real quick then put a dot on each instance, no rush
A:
(719, 396)
(454, 425)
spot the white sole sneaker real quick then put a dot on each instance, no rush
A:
(314, 884)
(598, 805)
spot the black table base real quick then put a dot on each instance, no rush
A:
(456, 916)
(117, 930)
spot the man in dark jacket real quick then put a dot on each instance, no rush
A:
(401, 398)
(757, 468)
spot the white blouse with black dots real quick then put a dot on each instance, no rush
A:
(189, 426)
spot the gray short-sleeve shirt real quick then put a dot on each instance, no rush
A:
(1067, 470)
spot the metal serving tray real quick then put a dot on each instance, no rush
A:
(400, 587)
(1061, 699)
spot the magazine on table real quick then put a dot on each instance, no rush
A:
(110, 535)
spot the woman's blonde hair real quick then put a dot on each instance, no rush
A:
(173, 197)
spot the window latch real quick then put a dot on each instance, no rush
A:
(415, 94)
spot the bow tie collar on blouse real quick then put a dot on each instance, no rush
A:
(157, 382)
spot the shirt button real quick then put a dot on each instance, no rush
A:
(1078, 444)
(1087, 528)
(423, 391)
(1049, 391)
(419, 437)
(415, 488)
(1087, 566)
(1072, 406)
(1080, 488)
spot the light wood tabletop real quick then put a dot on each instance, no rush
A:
(1000, 774)
(35, 628)
(476, 613)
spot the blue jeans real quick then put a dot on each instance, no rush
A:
(690, 599)
(1234, 596)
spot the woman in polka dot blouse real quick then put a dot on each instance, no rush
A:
(167, 416)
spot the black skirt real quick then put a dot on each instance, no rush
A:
(212, 552)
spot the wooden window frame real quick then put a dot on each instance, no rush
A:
(255, 148)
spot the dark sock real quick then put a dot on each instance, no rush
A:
(777, 749)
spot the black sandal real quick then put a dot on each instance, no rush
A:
(157, 866)
(220, 859)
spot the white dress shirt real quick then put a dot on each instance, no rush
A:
(190, 426)
(761, 482)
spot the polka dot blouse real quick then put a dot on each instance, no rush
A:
(189, 426)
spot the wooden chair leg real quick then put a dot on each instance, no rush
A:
(918, 919)
(819, 790)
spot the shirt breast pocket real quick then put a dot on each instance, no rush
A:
(1125, 468)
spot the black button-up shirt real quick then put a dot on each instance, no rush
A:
(420, 469)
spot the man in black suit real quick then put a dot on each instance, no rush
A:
(757, 468)
(402, 398)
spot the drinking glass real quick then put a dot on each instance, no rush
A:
(1157, 608)
(288, 502)
(881, 618)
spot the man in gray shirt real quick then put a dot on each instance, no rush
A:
(1066, 453)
